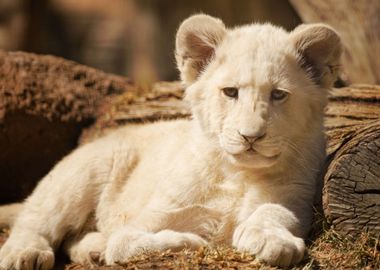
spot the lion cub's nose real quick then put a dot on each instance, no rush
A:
(253, 129)
(251, 138)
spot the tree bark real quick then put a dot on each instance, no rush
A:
(45, 102)
(163, 102)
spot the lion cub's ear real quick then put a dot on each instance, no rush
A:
(196, 41)
(320, 49)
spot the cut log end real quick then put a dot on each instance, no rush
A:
(352, 184)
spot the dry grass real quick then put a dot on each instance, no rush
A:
(333, 251)
(328, 250)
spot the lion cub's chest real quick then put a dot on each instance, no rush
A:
(212, 214)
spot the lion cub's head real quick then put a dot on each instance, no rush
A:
(258, 90)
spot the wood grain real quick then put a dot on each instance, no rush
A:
(352, 183)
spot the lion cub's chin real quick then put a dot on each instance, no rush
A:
(252, 159)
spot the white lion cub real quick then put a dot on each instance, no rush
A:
(242, 172)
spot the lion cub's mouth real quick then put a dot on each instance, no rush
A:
(253, 158)
(253, 152)
(270, 154)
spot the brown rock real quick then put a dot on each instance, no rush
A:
(45, 102)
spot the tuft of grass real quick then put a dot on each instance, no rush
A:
(334, 251)
(205, 258)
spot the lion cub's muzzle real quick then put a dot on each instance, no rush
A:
(250, 150)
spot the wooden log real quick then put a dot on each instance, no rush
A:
(163, 102)
(358, 25)
(352, 183)
(45, 102)
(351, 195)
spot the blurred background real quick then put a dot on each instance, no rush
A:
(134, 38)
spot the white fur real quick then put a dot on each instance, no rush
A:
(184, 183)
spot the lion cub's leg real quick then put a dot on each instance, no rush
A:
(269, 234)
(128, 242)
(88, 250)
(26, 251)
(61, 203)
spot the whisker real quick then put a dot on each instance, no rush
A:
(302, 161)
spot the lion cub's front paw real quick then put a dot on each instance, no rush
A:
(89, 251)
(276, 246)
(26, 255)
(121, 246)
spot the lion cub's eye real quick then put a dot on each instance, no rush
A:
(278, 95)
(231, 92)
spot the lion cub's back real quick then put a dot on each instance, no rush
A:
(160, 134)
